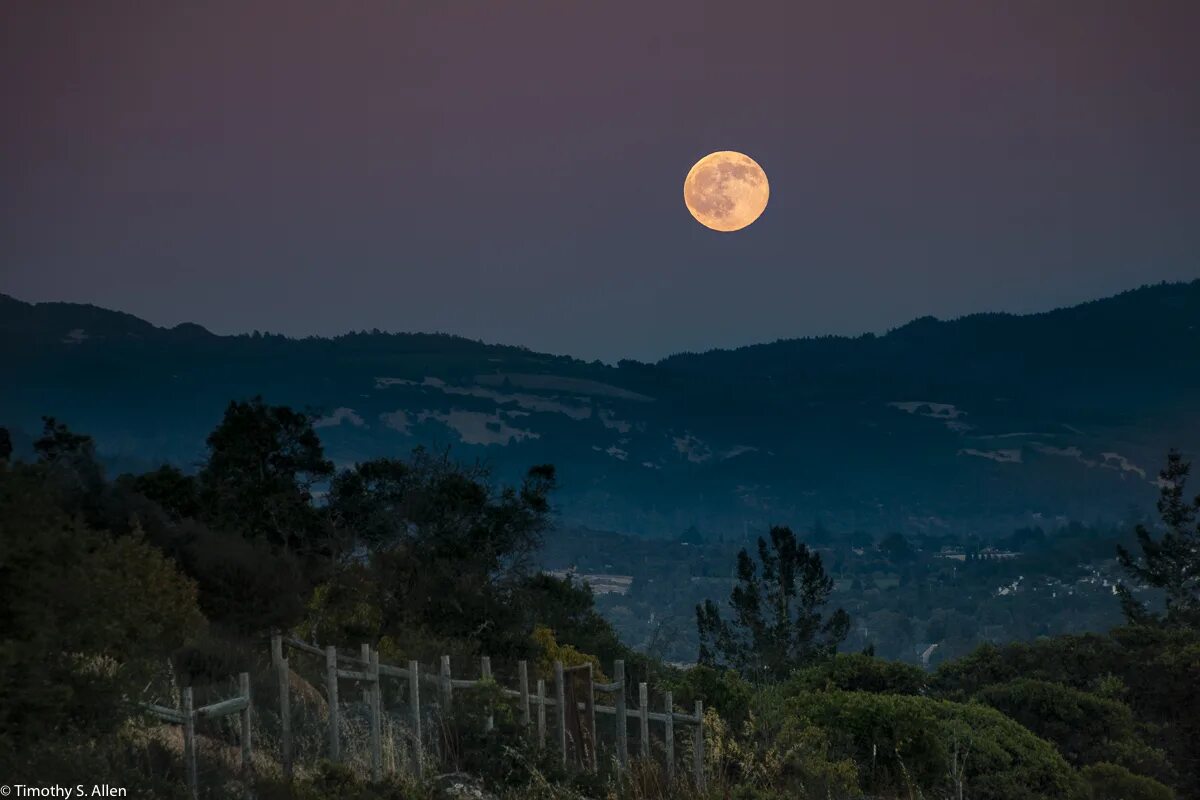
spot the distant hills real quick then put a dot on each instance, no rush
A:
(983, 422)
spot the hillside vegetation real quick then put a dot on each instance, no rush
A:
(115, 591)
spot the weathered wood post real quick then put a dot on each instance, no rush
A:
(669, 735)
(331, 686)
(698, 746)
(541, 712)
(560, 696)
(644, 719)
(622, 722)
(485, 671)
(244, 688)
(374, 704)
(447, 688)
(285, 720)
(364, 654)
(414, 700)
(523, 682)
(189, 743)
(590, 700)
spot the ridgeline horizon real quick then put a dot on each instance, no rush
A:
(7, 302)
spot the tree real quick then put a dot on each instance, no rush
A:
(6, 447)
(1171, 563)
(568, 608)
(777, 615)
(262, 464)
(453, 552)
(371, 502)
(70, 462)
(170, 488)
(896, 548)
(444, 509)
(59, 444)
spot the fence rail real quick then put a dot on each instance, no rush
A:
(187, 716)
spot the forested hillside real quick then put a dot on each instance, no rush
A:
(986, 424)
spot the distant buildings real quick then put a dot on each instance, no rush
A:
(599, 583)
(987, 553)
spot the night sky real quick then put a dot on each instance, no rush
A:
(513, 171)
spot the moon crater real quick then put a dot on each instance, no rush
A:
(726, 190)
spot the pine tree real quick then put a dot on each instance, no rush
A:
(777, 605)
(1170, 563)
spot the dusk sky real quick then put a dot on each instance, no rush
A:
(513, 171)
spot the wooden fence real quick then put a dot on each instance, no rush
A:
(533, 707)
(186, 716)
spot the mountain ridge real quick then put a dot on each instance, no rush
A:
(1163, 290)
(987, 419)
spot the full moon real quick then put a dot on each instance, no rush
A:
(726, 190)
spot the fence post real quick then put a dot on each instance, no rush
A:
(244, 688)
(698, 746)
(189, 743)
(285, 720)
(541, 712)
(591, 716)
(523, 681)
(331, 685)
(485, 670)
(644, 722)
(447, 687)
(414, 700)
(364, 653)
(375, 704)
(669, 736)
(622, 722)
(560, 695)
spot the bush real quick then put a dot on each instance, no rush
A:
(725, 691)
(126, 758)
(902, 743)
(1086, 728)
(1112, 782)
(772, 757)
(88, 618)
(345, 609)
(860, 673)
(1070, 660)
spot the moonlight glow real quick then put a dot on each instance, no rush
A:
(726, 190)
